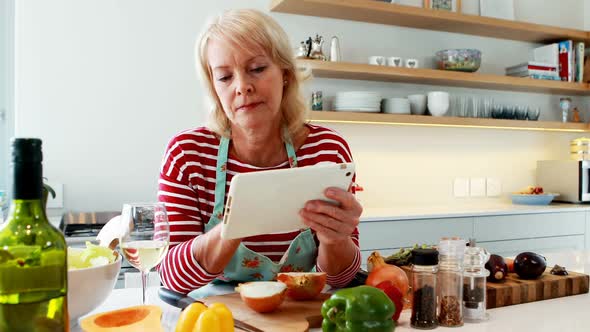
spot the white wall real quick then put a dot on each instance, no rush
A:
(6, 87)
(107, 83)
(563, 13)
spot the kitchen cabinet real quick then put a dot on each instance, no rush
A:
(405, 233)
(540, 245)
(503, 234)
(388, 236)
(512, 227)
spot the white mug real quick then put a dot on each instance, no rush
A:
(412, 63)
(438, 103)
(377, 60)
(395, 61)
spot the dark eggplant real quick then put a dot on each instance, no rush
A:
(529, 265)
(497, 267)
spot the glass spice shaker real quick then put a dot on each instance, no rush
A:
(450, 281)
(424, 268)
(474, 284)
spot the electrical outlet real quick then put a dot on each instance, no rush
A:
(477, 187)
(493, 187)
(461, 187)
(58, 201)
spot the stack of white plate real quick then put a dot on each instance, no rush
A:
(357, 101)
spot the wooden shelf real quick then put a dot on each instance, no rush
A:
(444, 121)
(355, 71)
(414, 17)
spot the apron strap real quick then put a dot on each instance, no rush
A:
(291, 153)
(220, 179)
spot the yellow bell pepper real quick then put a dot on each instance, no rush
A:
(199, 318)
(188, 317)
(225, 316)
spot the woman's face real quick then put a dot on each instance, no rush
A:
(249, 85)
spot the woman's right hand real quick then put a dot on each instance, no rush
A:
(214, 253)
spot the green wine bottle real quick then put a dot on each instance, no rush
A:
(33, 254)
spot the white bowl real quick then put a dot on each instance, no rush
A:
(88, 288)
(539, 199)
(438, 103)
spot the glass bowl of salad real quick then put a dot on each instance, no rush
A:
(462, 59)
(92, 275)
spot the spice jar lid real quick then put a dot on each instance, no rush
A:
(476, 256)
(425, 257)
(454, 247)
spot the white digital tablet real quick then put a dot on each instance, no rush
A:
(269, 201)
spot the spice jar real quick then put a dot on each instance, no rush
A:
(474, 284)
(424, 268)
(450, 281)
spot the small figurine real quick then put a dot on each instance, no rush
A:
(316, 101)
(576, 115)
(311, 49)
(316, 48)
(308, 43)
(564, 104)
(302, 51)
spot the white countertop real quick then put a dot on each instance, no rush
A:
(563, 314)
(454, 210)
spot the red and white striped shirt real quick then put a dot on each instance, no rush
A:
(187, 187)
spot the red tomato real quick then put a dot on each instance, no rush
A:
(395, 295)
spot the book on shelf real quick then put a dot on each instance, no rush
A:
(566, 55)
(580, 50)
(544, 77)
(548, 54)
(531, 65)
(529, 72)
(566, 60)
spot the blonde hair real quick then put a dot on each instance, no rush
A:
(248, 27)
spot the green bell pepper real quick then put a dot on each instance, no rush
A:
(358, 309)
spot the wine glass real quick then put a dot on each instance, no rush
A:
(145, 239)
(2, 202)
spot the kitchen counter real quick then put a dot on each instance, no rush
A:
(454, 210)
(562, 314)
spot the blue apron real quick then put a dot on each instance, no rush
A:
(246, 264)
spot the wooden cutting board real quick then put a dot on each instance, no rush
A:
(515, 290)
(291, 316)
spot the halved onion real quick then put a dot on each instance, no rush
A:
(303, 285)
(262, 296)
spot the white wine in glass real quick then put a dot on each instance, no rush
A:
(146, 237)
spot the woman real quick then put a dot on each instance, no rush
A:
(258, 123)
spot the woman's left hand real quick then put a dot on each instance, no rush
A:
(333, 223)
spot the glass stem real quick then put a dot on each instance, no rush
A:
(143, 285)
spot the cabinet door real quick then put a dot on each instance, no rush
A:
(512, 248)
(375, 235)
(529, 226)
